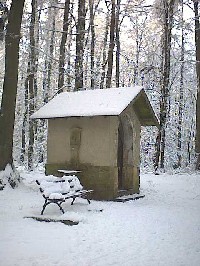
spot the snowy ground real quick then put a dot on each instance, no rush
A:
(161, 229)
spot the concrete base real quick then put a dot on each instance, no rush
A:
(103, 180)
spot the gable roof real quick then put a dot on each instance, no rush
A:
(88, 103)
(97, 102)
(144, 110)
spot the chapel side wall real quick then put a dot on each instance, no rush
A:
(57, 142)
(97, 153)
(131, 171)
(97, 145)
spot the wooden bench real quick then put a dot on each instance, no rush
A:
(58, 190)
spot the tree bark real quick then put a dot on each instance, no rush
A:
(197, 44)
(92, 43)
(3, 18)
(180, 111)
(80, 36)
(62, 47)
(111, 46)
(25, 117)
(47, 78)
(117, 44)
(50, 47)
(32, 86)
(104, 60)
(168, 9)
(7, 117)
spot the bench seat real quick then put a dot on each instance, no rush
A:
(58, 190)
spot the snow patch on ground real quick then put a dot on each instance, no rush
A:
(161, 229)
(9, 176)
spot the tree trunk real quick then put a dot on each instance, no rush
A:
(91, 4)
(111, 46)
(117, 43)
(168, 8)
(25, 116)
(49, 63)
(50, 46)
(3, 18)
(80, 36)
(104, 61)
(32, 85)
(197, 44)
(180, 111)
(8, 103)
(62, 47)
(47, 76)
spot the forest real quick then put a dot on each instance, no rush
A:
(51, 46)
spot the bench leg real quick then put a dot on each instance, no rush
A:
(47, 203)
(73, 201)
(59, 205)
(80, 197)
(88, 201)
(44, 206)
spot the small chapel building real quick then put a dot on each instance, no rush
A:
(98, 133)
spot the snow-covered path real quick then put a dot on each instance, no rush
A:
(161, 229)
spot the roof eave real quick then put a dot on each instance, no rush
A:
(144, 110)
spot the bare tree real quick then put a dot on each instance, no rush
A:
(104, 52)
(180, 110)
(92, 30)
(62, 46)
(32, 84)
(117, 43)
(168, 14)
(30, 87)
(197, 44)
(50, 47)
(3, 18)
(7, 117)
(69, 48)
(111, 46)
(80, 36)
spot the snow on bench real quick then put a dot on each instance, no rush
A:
(58, 190)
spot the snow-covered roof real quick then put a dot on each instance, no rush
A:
(89, 103)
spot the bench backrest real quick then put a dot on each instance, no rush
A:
(68, 184)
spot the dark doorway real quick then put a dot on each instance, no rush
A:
(120, 155)
(125, 151)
